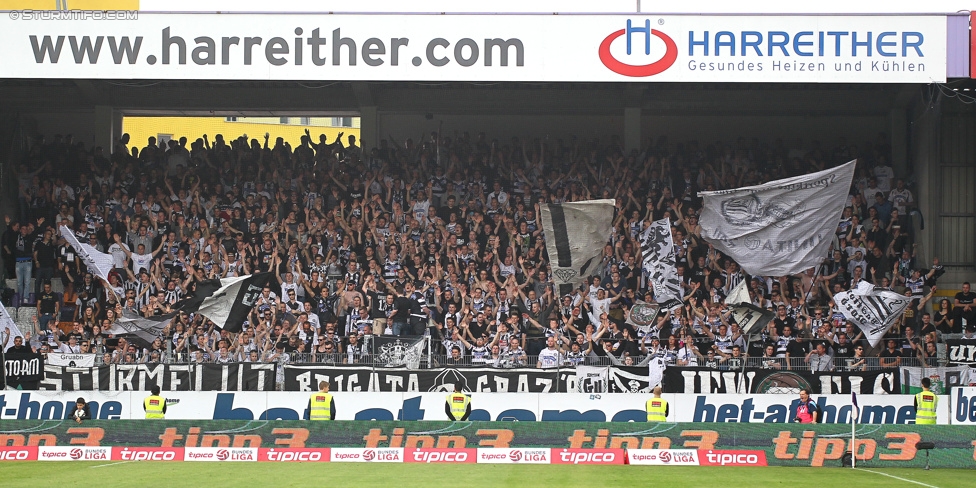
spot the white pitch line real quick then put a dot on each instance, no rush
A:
(897, 477)
(111, 464)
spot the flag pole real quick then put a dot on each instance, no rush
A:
(853, 447)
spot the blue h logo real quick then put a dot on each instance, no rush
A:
(647, 35)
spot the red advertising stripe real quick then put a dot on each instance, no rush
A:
(505, 455)
(731, 457)
(282, 455)
(367, 455)
(663, 457)
(453, 456)
(588, 456)
(147, 453)
(972, 44)
(22, 453)
(214, 454)
(74, 453)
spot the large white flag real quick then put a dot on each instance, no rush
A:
(7, 322)
(782, 227)
(575, 235)
(660, 263)
(99, 262)
(873, 310)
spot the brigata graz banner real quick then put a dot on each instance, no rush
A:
(550, 48)
(175, 377)
(624, 379)
(305, 377)
(783, 445)
(704, 380)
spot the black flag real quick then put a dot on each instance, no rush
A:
(229, 305)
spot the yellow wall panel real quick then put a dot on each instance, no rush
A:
(141, 128)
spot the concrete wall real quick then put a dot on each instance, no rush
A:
(857, 129)
(767, 128)
(79, 124)
(678, 128)
(502, 127)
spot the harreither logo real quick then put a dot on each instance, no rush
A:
(638, 70)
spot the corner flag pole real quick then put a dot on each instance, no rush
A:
(855, 415)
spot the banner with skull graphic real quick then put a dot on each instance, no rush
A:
(779, 228)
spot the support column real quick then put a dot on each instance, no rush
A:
(898, 136)
(104, 127)
(116, 129)
(632, 128)
(368, 129)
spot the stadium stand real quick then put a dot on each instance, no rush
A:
(446, 231)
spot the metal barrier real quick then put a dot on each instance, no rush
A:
(439, 361)
(375, 356)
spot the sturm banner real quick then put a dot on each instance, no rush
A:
(176, 377)
(704, 380)
(583, 379)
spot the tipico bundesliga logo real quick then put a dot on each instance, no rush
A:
(638, 49)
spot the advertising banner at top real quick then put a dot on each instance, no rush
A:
(531, 48)
(762, 7)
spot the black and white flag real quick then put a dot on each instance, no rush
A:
(98, 262)
(659, 262)
(23, 366)
(592, 379)
(873, 310)
(394, 351)
(961, 351)
(779, 228)
(643, 316)
(71, 360)
(140, 330)
(575, 235)
(751, 319)
(229, 305)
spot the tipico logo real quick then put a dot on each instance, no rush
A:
(640, 33)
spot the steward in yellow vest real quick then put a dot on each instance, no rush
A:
(321, 405)
(925, 404)
(458, 406)
(154, 405)
(657, 407)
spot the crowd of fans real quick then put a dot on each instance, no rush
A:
(442, 236)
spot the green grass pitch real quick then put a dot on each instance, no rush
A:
(212, 475)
